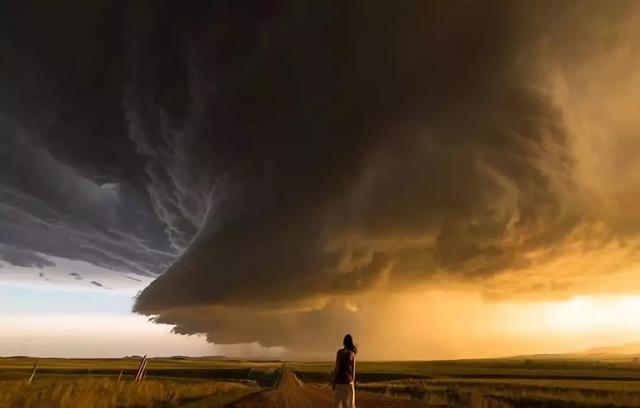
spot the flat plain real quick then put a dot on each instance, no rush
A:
(534, 381)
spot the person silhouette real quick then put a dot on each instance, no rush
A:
(345, 375)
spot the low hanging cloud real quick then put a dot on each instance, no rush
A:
(271, 164)
(372, 160)
(387, 149)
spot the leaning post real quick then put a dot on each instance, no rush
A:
(33, 373)
(144, 370)
(141, 367)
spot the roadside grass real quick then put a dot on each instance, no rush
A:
(516, 394)
(108, 393)
(495, 383)
(226, 369)
(262, 372)
(551, 368)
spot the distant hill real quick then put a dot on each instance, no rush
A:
(219, 357)
(629, 348)
(629, 352)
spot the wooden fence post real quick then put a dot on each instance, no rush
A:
(120, 376)
(141, 367)
(33, 373)
(144, 370)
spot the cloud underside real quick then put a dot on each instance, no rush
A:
(394, 160)
(332, 152)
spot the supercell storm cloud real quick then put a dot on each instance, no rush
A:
(272, 160)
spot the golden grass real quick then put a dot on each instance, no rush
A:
(511, 393)
(108, 393)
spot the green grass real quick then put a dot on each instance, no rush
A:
(191, 382)
(130, 362)
(261, 372)
(541, 368)
(496, 383)
(489, 368)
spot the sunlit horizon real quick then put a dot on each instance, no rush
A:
(99, 324)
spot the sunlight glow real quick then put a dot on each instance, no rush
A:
(584, 313)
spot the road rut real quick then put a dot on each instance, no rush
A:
(290, 393)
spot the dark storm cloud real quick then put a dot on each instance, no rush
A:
(20, 257)
(286, 152)
(71, 185)
(51, 208)
(342, 147)
(295, 329)
(335, 149)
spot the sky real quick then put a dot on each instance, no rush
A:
(439, 179)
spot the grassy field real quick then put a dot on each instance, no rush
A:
(520, 393)
(65, 392)
(263, 373)
(170, 382)
(552, 368)
(542, 381)
(546, 381)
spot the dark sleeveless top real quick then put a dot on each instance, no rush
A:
(345, 361)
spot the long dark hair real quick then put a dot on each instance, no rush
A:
(348, 344)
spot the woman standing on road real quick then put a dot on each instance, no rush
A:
(345, 375)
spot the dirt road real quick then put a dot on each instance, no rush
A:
(290, 393)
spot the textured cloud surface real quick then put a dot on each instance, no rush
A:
(284, 160)
(68, 182)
